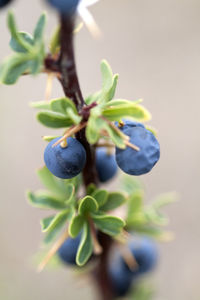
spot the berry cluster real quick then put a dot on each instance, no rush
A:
(122, 276)
(68, 160)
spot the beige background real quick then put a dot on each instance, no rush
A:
(155, 47)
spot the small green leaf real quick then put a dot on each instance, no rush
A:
(39, 29)
(43, 200)
(88, 205)
(16, 46)
(76, 225)
(131, 184)
(135, 203)
(107, 76)
(57, 221)
(114, 200)
(61, 105)
(55, 230)
(62, 188)
(76, 119)
(55, 41)
(70, 193)
(85, 248)
(130, 110)
(53, 119)
(116, 136)
(46, 222)
(93, 98)
(165, 199)
(155, 217)
(113, 88)
(100, 196)
(41, 105)
(108, 224)
(13, 67)
(94, 126)
(15, 34)
(91, 188)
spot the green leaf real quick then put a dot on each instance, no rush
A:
(61, 105)
(45, 201)
(41, 105)
(55, 41)
(135, 204)
(155, 217)
(15, 34)
(165, 199)
(16, 46)
(107, 76)
(76, 119)
(100, 196)
(76, 225)
(112, 90)
(55, 230)
(70, 193)
(116, 136)
(94, 126)
(85, 248)
(87, 205)
(91, 188)
(57, 221)
(131, 184)
(108, 224)
(130, 111)
(46, 222)
(114, 200)
(59, 187)
(13, 67)
(53, 119)
(93, 98)
(39, 29)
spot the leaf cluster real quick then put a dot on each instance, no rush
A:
(29, 51)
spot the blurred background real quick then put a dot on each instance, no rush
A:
(155, 47)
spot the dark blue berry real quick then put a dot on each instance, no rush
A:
(122, 277)
(4, 3)
(65, 162)
(138, 162)
(121, 280)
(105, 164)
(68, 250)
(67, 7)
(145, 253)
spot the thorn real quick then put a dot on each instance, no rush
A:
(70, 131)
(90, 22)
(53, 250)
(134, 147)
(48, 91)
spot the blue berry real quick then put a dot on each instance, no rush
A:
(105, 164)
(68, 250)
(65, 162)
(121, 280)
(122, 277)
(4, 3)
(138, 162)
(145, 253)
(67, 7)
